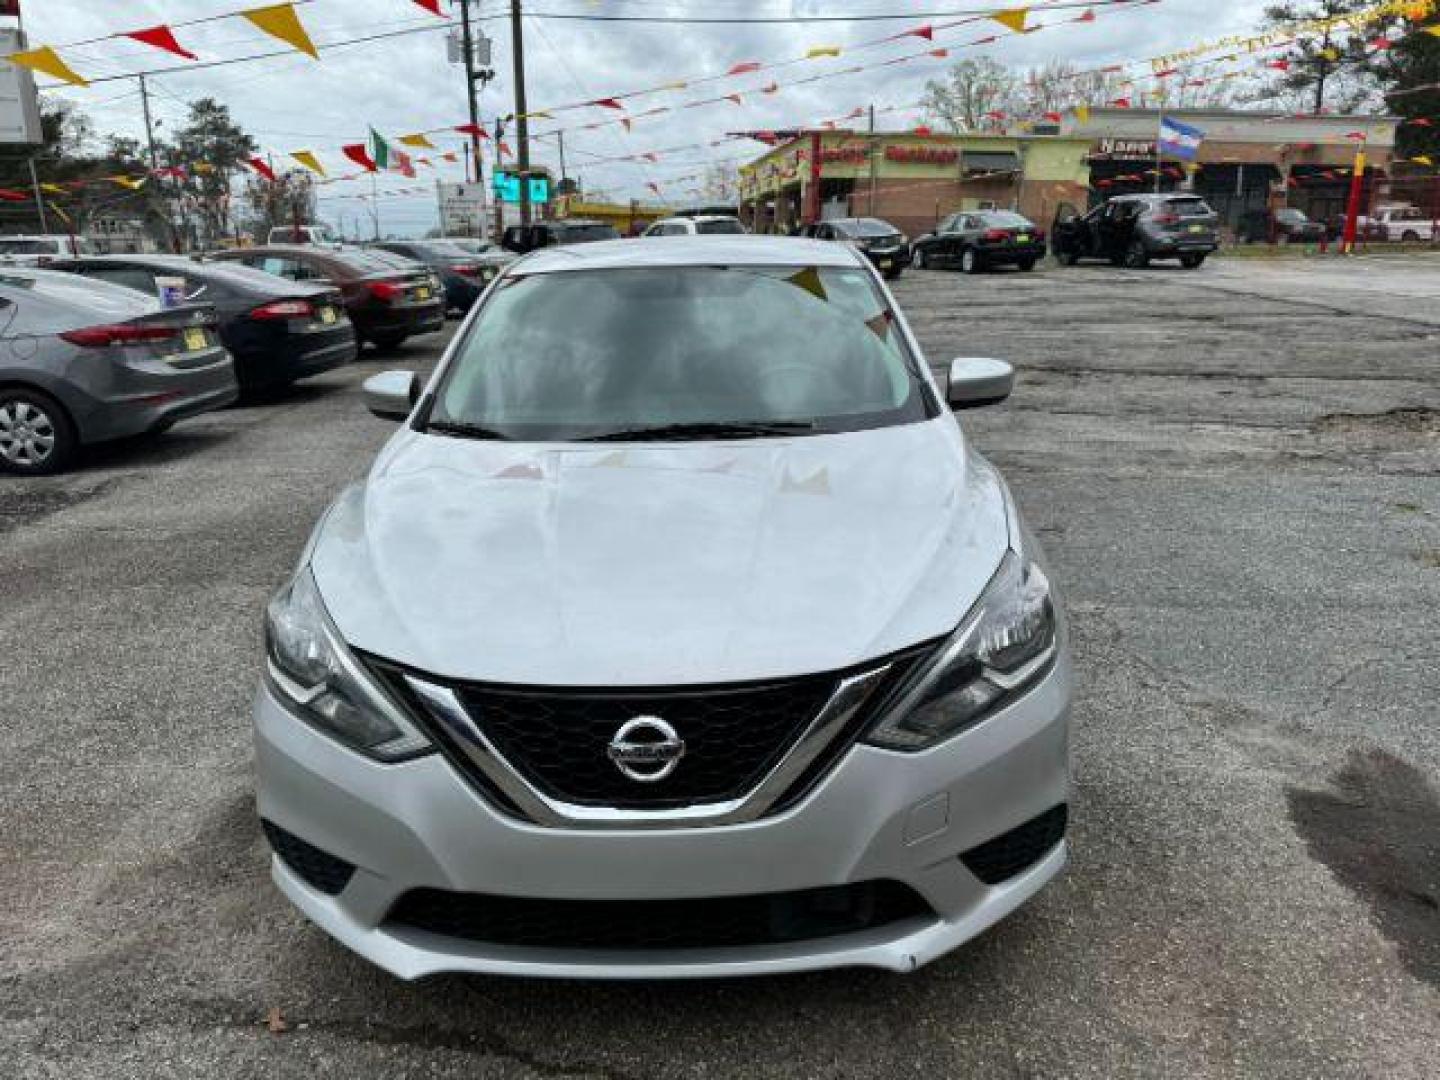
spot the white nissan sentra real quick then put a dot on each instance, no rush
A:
(678, 631)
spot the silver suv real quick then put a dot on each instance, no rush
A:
(684, 634)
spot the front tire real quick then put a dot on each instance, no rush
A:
(970, 261)
(1026, 265)
(1410, 237)
(1192, 262)
(1136, 257)
(37, 437)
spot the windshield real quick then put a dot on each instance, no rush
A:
(865, 227)
(373, 261)
(719, 227)
(443, 251)
(644, 349)
(29, 247)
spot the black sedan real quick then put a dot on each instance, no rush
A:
(463, 274)
(883, 244)
(277, 330)
(973, 240)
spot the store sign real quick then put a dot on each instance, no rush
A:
(922, 155)
(1125, 149)
(851, 155)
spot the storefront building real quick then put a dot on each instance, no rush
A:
(1248, 161)
(911, 180)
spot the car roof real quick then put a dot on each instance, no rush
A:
(714, 250)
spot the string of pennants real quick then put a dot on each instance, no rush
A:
(278, 21)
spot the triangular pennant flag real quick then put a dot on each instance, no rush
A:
(654, 187)
(309, 160)
(280, 21)
(606, 103)
(1121, 103)
(52, 189)
(472, 129)
(651, 157)
(11, 195)
(927, 32)
(1433, 31)
(625, 120)
(940, 54)
(432, 6)
(1279, 65)
(1087, 16)
(128, 181)
(771, 89)
(417, 139)
(161, 38)
(380, 149)
(735, 98)
(450, 156)
(402, 164)
(1053, 117)
(357, 153)
(809, 280)
(261, 166)
(822, 50)
(505, 150)
(739, 69)
(47, 61)
(1013, 19)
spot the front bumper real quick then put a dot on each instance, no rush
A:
(878, 816)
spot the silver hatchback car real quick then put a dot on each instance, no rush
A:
(679, 631)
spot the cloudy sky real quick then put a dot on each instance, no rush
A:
(402, 83)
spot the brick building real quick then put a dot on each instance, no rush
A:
(912, 180)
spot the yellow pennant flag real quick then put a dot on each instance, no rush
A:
(309, 160)
(1014, 19)
(128, 181)
(1432, 30)
(1082, 113)
(1423, 159)
(418, 139)
(52, 189)
(47, 61)
(822, 50)
(202, 167)
(280, 21)
(539, 114)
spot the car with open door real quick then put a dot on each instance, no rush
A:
(974, 240)
(1133, 230)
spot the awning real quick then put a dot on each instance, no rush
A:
(989, 161)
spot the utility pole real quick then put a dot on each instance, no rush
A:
(472, 95)
(522, 123)
(1321, 73)
(154, 161)
(560, 136)
(870, 153)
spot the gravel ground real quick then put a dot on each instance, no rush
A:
(1237, 473)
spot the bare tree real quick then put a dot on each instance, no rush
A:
(970, 93)
(1060, 84)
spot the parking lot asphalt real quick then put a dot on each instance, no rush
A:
(1236, 472)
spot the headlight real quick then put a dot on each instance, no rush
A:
(310, 667)
(1004, 644)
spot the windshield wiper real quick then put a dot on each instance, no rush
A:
(465, 431)
(731, 429)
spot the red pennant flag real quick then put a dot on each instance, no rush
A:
(927, 32)
(450, 156)
(996, 115)
(472, 129)
(262, 167)
(1121, 103)
(1053, 117)
(745, 68)
(940, 54)
(505, 150)
(161, 38)
(403, 166)
(606, 102)
(1089, 16)
(923, 131)
(987, 40)
(1382, 43)
(1167, 73)
(357, 153)
(735, 98)
(10, 195)
(1279, 65)
(432, 6)
(1356, 136)
(1420, 121)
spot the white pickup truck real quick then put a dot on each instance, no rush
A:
(1407, 223)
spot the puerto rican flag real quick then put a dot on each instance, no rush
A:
(1180, 140)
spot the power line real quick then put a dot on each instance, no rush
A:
(791, 20)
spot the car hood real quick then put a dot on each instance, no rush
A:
(660, 563)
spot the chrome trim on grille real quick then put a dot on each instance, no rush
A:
(833, 718)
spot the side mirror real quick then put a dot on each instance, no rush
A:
(392, 394)
(978, 381)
